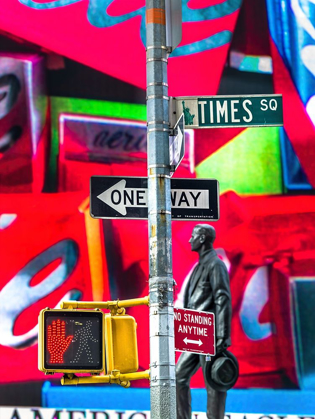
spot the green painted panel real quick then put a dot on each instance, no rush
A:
(84, 107)
(249, 164)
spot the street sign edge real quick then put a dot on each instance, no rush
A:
(178, 98)
(183, 145)
(198, 353)
(112, 218)
(42, 344)
(141, 218)
(218, 199)
(235, 126)
(214, 328)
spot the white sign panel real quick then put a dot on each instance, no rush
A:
(117, 197)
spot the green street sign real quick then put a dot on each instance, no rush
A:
(229, 111)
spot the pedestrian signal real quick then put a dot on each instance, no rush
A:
(71, 341)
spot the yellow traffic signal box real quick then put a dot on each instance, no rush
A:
(78, 341)
(121, 343)
(71, 341)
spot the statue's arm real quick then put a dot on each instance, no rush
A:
(223, 308)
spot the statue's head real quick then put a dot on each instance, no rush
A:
(203, 235)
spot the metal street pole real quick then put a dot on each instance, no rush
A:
(162, 353)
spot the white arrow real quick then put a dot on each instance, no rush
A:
(119, 197)
(197, 342)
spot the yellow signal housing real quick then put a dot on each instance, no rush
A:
(121, 343)
(71, 341)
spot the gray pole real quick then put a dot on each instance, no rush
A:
(162, 354)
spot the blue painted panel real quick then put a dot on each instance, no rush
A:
(294, 177)
(283, 402)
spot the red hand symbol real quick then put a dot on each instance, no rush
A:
(57, 343)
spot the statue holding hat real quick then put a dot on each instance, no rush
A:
(208, 289)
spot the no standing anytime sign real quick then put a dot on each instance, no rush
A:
(194, 331)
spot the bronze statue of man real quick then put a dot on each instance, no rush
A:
(208, 289)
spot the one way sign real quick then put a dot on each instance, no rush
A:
(127, 197)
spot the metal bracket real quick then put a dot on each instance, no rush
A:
(123, 379)
(157, 83)
(158, 123)
(160, 175)
(172, 112)
(157, 47)
(167, 377)
(157, 59)
(160, 212)
(158, 97)
(158, 129)
(117, 306)
(156, 364)
(153, 166)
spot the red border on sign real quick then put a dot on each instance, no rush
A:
(178, 345)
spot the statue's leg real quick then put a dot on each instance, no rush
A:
(215, 399)
(215, 403)
(186, 367)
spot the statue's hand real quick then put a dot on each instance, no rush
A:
(221, 345)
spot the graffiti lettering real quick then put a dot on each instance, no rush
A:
(98, 16)
(120, 140)
(48, 413)
(17, 295)
(255, 298)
